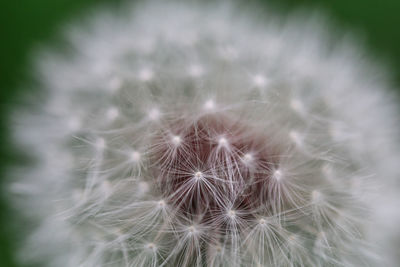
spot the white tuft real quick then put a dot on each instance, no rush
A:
(194, 134)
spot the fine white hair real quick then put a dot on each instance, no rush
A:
(114, 108)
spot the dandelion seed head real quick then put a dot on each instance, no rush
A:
(200, 139)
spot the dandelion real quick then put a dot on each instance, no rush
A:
(194, 135)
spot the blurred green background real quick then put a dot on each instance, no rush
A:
(25, 24)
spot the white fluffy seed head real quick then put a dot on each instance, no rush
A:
(198, 139)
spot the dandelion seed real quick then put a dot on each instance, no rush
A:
(176, 140)
(231, 214)
(247, 158)
(277, 175)
(145, 75)
(112, 113)
(209, 104)
(198, 176)
(222, 142)
(295, 137)
(297, 106)
(192, 229)
(100, 144)
(143, 187)
(115, 84)
(316, 196)
(161, 203)
(154, 114)
(229, 53)
(259, 80)
(151, 246)
(195, 71)
(74, 124)
(106, 187)
(135, 156)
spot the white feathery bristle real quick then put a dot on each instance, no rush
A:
(194, 134)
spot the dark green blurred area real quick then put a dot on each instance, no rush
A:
(24, 24)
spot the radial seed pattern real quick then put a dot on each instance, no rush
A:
(194, 136)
